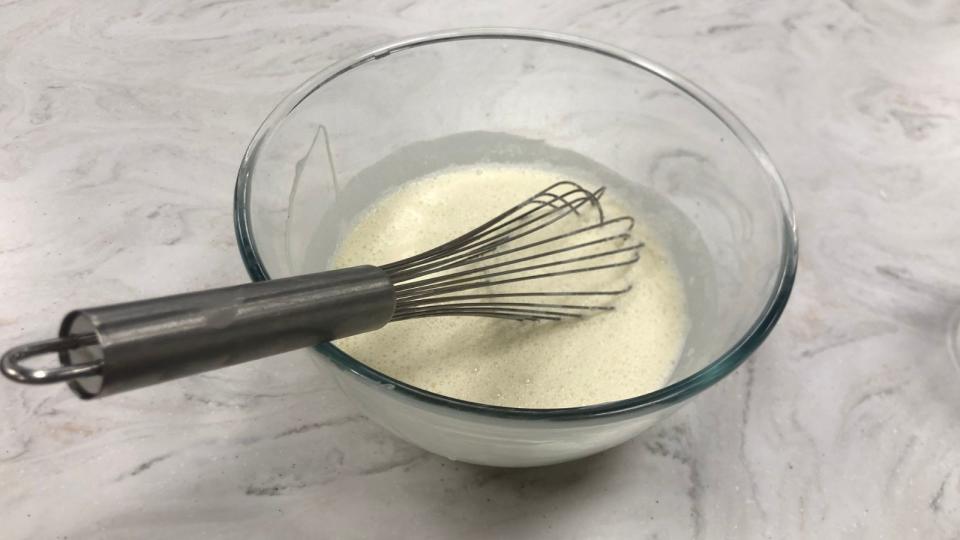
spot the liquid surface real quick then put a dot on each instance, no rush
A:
(617, 355)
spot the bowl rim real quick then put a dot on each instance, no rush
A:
(671, 394)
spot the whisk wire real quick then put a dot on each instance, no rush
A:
(472, 257)
(474, 238)
(492, 255)
(465, 276)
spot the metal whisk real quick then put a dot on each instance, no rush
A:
(552, 235)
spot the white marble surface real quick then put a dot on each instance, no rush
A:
(121, 127)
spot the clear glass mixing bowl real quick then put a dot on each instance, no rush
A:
(372, 122)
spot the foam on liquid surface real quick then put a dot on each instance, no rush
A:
(611, 356)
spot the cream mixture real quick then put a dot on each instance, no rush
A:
(610, 356)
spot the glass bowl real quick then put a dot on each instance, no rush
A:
(365, 125)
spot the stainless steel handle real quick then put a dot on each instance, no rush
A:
(111, 349)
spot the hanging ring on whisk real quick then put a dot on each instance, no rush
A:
(13, 368)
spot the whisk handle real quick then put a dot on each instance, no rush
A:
(110, 349)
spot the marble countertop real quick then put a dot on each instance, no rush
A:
(122, 128)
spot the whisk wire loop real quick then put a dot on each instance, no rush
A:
(509, 249)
